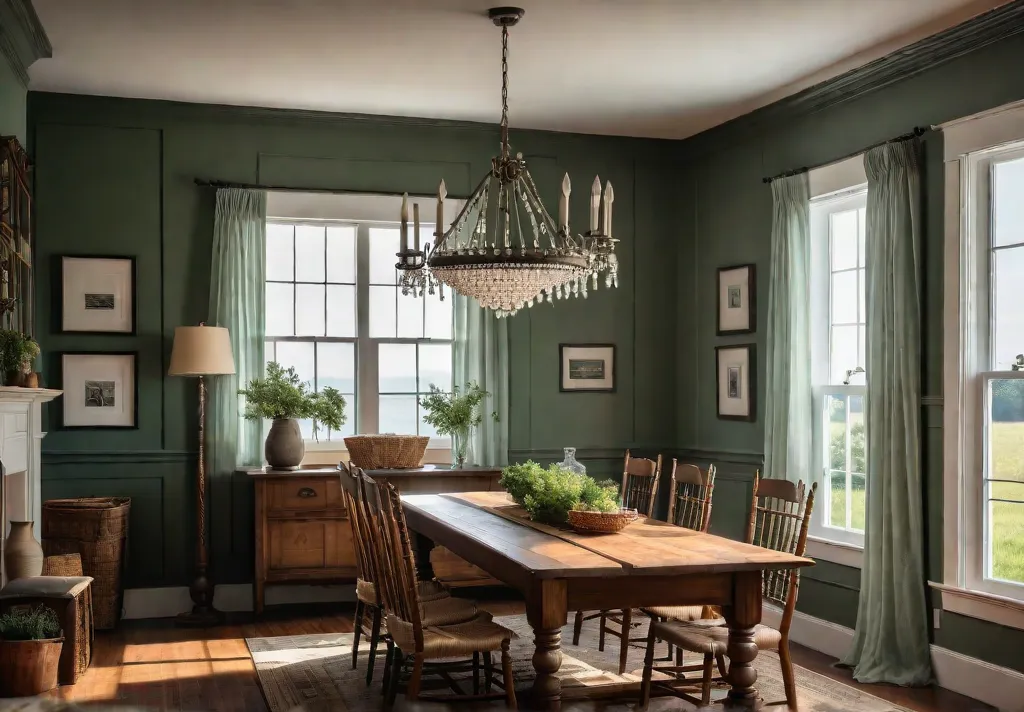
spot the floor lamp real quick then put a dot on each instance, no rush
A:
(201, 351)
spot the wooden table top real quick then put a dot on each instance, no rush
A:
(646, 547)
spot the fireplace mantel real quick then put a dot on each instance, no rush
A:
(20, 435)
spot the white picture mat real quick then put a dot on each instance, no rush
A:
(599, 353)
(79, 368)
(90, 275)
(734, 318)
(734, 358)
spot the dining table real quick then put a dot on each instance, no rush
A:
(648, 563)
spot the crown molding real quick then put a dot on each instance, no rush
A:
(973, 34)
(22, 37)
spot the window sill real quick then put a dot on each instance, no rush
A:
(978, 604)
(835, 552)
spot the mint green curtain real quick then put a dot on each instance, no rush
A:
(481, 356)
(891, 641)
(788, 425)
(237, 278)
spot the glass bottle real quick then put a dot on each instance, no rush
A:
(571, 463)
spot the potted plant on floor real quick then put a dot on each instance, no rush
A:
(455, 414)
(17, 352)
(30, 645)
(282, 397)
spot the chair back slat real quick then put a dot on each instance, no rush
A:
(350, 492)
(640, 483)
(691, 496)
(401, 561)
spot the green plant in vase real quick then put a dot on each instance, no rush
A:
(17, 352)
(455, 414)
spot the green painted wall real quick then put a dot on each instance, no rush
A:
(726, 214)
(116, 176)
(13, 99)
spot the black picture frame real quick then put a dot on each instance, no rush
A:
(61, 419)
(751, 414)
(751, 300)
(58, 301)
(561, 369)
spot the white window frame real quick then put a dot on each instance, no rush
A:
(846, 185)
(971, 144)
(362, 212)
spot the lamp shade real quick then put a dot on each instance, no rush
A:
(201, 351)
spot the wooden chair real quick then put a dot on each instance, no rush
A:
(639, 491)
(779, 520)
(416, 645)
(367, 594)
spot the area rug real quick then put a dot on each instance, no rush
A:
(314, 673)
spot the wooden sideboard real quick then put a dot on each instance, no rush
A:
(303, 534)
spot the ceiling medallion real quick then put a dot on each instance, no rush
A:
(503, 248)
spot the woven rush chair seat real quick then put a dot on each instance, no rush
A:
(448, 611)
(428, 590)
(678, 613)
(478, 635)
(712, 639)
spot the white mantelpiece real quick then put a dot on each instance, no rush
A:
(21, 434)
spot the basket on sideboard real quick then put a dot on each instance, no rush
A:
(97, 529)
(387, 451)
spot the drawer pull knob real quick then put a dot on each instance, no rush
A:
(307, 492)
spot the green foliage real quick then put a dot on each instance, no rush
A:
(549, 494)
(281, 394)
(858, 447)
(1008, 400)
(452, 413)
(37, 624)
(16, 351)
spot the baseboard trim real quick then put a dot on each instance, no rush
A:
(1000, 687)
(167, 602)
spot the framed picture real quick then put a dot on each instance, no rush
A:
(737, 386)
(737, 292)
(586, 367)
(97, 294)
(100, 390)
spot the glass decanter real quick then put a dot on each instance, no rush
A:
(571, 463)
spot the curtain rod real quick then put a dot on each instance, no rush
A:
(918, 131)
(286, 188)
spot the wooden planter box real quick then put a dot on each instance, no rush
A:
(29, 667)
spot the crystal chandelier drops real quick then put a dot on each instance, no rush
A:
(414, 277)
(503, 248)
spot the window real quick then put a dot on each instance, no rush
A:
(838, 333)
(335, 313)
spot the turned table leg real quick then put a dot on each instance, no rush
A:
(546, 611)
(742, 616)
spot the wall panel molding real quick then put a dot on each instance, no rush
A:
(91, 457)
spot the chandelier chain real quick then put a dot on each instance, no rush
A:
(504, 89)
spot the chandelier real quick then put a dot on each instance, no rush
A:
(503, 248)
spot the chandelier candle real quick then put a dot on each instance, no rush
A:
(563, 204)
(405, 223)
(609, 198)
(442, 193)
(595, 203)
(416, 226)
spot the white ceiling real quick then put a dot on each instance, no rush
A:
(660, 68)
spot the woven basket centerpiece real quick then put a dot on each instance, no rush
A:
(387, 451)
(601, 522)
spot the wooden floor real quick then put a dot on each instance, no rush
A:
(157, 665)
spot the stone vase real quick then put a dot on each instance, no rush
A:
(284, 447)
(23, 556)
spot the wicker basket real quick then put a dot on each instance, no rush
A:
(600, 522)
(96, 528)
(386, 452)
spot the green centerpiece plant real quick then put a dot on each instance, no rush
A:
(455, 414)
(548, 494)
(282, 397)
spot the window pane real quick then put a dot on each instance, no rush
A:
(397, 415)
(280, 309)
(383, 254)
(837, 495)
(396, 370)
(1008, 208)
(1007, 306)
(844, 297)
(298, 355)
(280, 254)
(336, 367)
(269, 352)
(436, 367)
(862, 225)
(438, 321)
(843, 352)
(410, 316)
(309, 253)
(858, 501)
(844, 239)
(862, 349)
(341, 310)
(1006, 531)
(341, 254)
(1006, 430)
(835, 408)
(858, 436)
(862, 296)
(382, 312)
(426, 428)
(309, 316)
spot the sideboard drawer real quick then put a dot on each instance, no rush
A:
(310, 544)
(305, 494)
